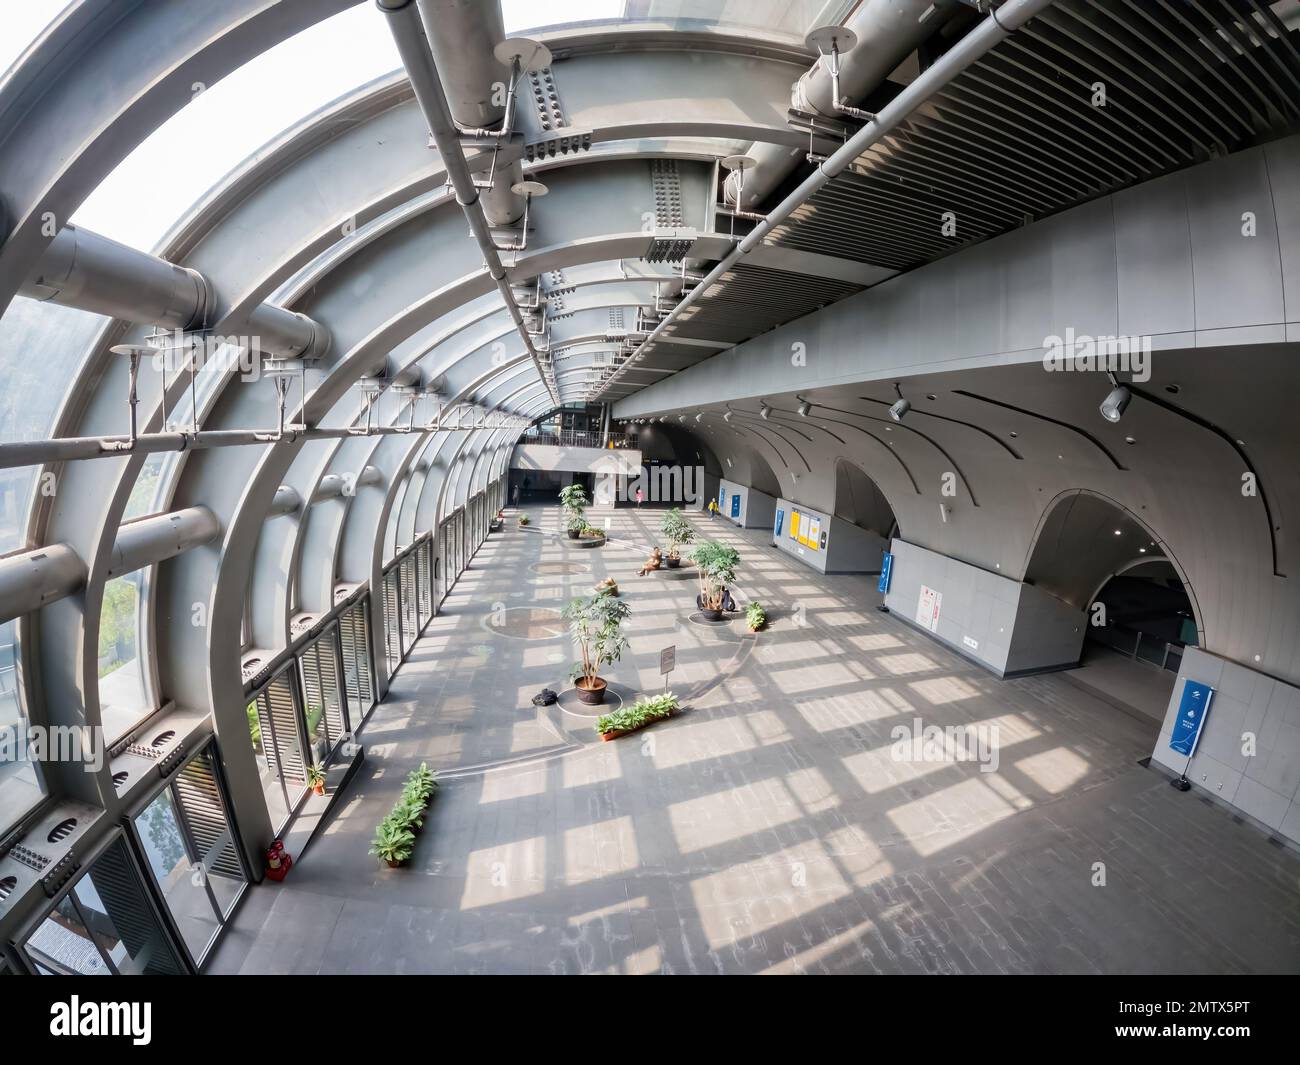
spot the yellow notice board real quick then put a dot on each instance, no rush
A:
(794, 524)
(814, 532)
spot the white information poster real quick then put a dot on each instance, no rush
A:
(928, 605)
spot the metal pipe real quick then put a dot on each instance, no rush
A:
(461, 36)
(287, 501)
(31, 579)
(154, 539)
(404, 21)
(82, 269)
(983, 36)
(888, 31)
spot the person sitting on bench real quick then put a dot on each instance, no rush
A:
(653, 562)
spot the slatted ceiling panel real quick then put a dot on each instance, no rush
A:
(1018, 135)
(748, 300)
(198, 793)
(354, 632)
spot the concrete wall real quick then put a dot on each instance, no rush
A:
(1246, 703)
(853, 549)
(757, 509)
(1005, 625)
(576, 459)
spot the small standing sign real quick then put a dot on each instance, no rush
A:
(667, 662)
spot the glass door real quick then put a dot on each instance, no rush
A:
(185, 837)
(105, 924)
(275, 726)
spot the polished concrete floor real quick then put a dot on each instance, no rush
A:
(776, 825)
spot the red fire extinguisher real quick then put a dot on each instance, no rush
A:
(278, 860)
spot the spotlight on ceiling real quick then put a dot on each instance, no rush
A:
(1114, 405)
(764, 411)
(727, 417)
(700, 417)
(900, 407)
(805, 408)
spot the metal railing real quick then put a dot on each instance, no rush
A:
(575, 438)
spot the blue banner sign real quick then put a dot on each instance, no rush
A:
(735, 505)
(886, 571)
(780, 520)
(1191, 717)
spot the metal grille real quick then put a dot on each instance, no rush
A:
(392, 620)
(277, 715)
(410, 619)
(666, 184)
(354, 635)
(424, 583)
(322, 698)
(203, 813)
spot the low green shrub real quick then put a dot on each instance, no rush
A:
(523, 519)
(395, 837)
(755, 616)
(642, 712)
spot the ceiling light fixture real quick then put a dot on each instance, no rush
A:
(900, 408)
(764, 411)
(1116, 402)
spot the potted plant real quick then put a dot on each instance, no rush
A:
(677, 531)
(717, 569)
(573, 504)
(523, 520)
(394, 841)
(316, 778)
(755, 617)
(597, 626)
(645, 711)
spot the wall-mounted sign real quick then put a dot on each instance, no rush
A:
(814, 532)
(928, 605)
(735, 505)
(886, 571)
(780, 520)
(1193, 708)
(823, 541)
(794, 524)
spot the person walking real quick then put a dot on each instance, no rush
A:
(515, 500)
(713, 509)
(638, 497)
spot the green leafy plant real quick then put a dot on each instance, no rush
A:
(755, 616)
(394, 840)
(523, 519)
(591, 531)
(420, 785)
(409, 812)
(573, 502)
(596, 623)
(315, 776)
(642, 712)
(676, 530)
(717, 569)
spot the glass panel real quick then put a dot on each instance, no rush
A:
(170, 857)
(107, 913)
(21, 787)
(123, 695)
(201, 803)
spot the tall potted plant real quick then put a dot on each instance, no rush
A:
(573, 505)
(596, 623)
(677, 531)
(717, 569)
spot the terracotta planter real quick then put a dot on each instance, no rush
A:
(593, 696)
(319, 789)
(673, 563)
(392, 864)
(628, 731)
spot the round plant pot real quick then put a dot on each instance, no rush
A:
(673, 563)
(319, 789)
(593, 696)
(392, 864)
(572, 533)
(711, 615)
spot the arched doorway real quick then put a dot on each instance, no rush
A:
(1101, 558)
